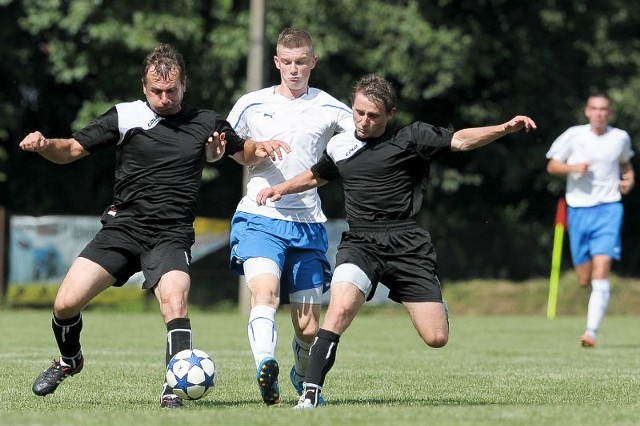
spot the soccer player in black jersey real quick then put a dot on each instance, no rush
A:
(161, 147)
(384, 175)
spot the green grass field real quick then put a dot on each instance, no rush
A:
(496, 370)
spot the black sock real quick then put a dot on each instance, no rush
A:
(322, 356)
(178, 336)
(178, 339)
(67, 333)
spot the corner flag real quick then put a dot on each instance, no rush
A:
(556, 257)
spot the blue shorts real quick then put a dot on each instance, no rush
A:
(595, 230)
(299, 250)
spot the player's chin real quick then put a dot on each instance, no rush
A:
(363, 134)
(170, 110)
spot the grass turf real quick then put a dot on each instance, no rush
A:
(496, 370)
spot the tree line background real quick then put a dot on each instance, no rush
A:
(454, 62)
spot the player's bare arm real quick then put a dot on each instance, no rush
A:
(256, 152)
(272, 149)
(627, 180)
(59, 151)
(559, 168)
(302, 182)
(475, 137)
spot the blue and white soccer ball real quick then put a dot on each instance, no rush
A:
(191, 373)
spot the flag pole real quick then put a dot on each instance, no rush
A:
(556, 257)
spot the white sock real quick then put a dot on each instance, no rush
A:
(598, 303)
(263, 336)
(300, 357)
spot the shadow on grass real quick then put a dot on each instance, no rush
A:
(619, 346)
(404, 402)
(379, 402)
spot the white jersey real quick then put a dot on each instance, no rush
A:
(604, 153)
(306, 124)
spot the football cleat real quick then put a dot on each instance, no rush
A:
(171, 402)
(267, 377)
(304, 404)
(310, 397)
(299, 384)
(47, 381)
(587, 341)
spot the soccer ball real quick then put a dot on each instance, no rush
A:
(191, 373)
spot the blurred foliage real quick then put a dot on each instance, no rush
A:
(455, 62)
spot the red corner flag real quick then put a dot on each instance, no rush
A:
(561, 213)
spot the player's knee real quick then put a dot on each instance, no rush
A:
(583, 279)
(436, 339)
(64, 310)
(171, 308)
(265, 295)
(438, 342)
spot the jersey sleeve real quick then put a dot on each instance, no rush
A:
(325, 168)
(100, 133)
(430, 140)
(560, 149)
(234, 142)
(627, 150)
(237, 118)
(345, 119)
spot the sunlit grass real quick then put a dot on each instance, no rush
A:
(504, 370)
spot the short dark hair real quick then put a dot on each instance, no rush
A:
(603, 95)
(291, 38)
(376, 89)
(165, 59)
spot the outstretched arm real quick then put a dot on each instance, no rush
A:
(256, 152)
(475, 137)
(302, 182)
(59, 151)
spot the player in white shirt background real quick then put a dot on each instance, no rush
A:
(595, 158)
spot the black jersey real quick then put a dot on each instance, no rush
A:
(159, 159)
(384, 178)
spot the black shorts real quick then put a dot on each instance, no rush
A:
(124, 250)
(397, 254)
